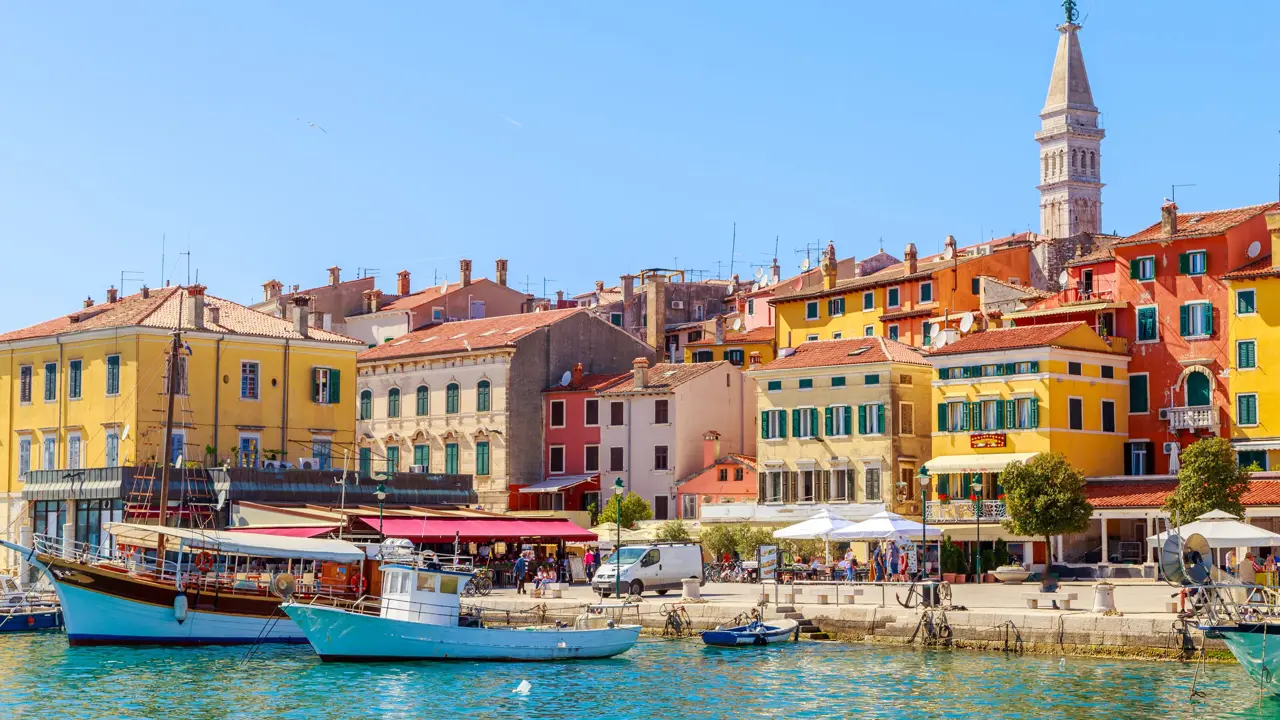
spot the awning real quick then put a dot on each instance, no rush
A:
(239, 543)
(441, 529)
(295, 532)
(970, 532)
(989, 462)
(1065, 309)
(1256, 444)
(559, 482)
(87, 484)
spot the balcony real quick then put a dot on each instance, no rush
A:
(957, 511)
(1192, 418)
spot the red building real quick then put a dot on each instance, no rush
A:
(1090, 293)
(723, 479)
(1171, 274)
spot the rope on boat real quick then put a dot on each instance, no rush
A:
(272, 621)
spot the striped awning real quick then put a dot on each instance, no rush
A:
(89, 484)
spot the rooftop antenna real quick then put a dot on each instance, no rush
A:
(546, 280)
(733, 247)
(1173, 191)
(809, 248)
(188, 254)
(162, 282)
(775, 246)
(135, 275)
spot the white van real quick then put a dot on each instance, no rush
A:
(658, 566)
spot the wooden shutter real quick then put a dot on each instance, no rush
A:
(1184, 321)
(1133, 269)
(848, 419)
(1035, 412)
(335, 387)
(782, 423)
(1035, 366)
(793, 481)
(1011, 414)
(1207, 309)
(813, 421)
(999, 416)
(942, 417)
(761, 492)
(764, 424)
(862, 419)
(795, 422)
(975, 416)
(829, 421)
(880, 419)
(315, 383)
(1184, 263)
(964, 415)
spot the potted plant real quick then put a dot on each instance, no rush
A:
(953, 563)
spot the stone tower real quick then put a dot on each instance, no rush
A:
(1070, 139)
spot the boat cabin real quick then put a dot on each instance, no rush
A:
(428, 595)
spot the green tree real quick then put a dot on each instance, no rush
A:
(1044, 497)
(1209, 479)
(751, 538)
(633, 508)
(673, 530)
(720, 538)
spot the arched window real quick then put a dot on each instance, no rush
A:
(1093, 160)
(393, 403)
(482, 396)
(451, 392)
(366, 405)
(423, 394)
(1198, 392)
(1073, 159)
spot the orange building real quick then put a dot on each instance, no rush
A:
(728, 478)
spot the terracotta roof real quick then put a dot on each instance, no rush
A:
(1199, 224)
(1259, 268)
(1102, 250)
(1025, 289)
(590, 381)
(453, 337)
(763, 334)
(663, 377)
(161, 310)
(1009, 338)
(1154, 493)
(915, 312)
(731, 458)
(855, 351)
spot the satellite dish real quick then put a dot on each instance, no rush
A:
(1255, 247)
(759, 272)
(966, 322)
(124, 435)
(728, 289)
(935, 330)
(1188, 561)
(737, 324)
(1063, 278)
(799, 284)
(755, 287)
(444, 288)
(283, 585)
(949, 253)
(765, 282)
(940, 341)
(566, 378)
(804, 264)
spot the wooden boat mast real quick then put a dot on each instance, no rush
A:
(165, 461)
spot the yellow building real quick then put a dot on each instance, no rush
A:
(841, 423)
(1255, 394)
(736, 346)
(87, 390)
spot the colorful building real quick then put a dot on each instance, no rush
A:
(735, 346)
(721, 479)
(1252, 319)
(1172, 274)
(841, 423)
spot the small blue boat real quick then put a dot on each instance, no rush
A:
(755, 633)
(22, 612)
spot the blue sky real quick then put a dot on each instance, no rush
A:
(582, 140)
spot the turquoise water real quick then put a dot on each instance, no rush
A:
(40, 677)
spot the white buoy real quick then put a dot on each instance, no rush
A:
(1062, 664)
(523, 688)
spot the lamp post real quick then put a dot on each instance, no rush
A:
(923, 480)
(617, 548)
(381, 494)
(977, 513)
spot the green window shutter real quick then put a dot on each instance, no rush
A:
(1010, 368)
(880, 419)
(942, 417)
(1133, 269)
(335, 387)
(764, 424)
(862, 419)
(848, 419)
(830, 421)
(1011, 414)
(1184, 321)
(999, 416)
(1207, 310)
(964, 416)
(975, 410)
(795, 422)
(813, 421)
(782, 423)
(1035, 366)
(1184, 264)
(1035, 412)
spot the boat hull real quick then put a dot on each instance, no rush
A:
(21, 621)
(338, 635)
(1257, 647)
(780, 631)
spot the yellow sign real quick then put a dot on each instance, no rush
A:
(987, 440)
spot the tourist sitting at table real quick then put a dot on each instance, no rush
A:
(816, 567)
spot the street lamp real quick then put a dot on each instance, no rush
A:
(381, 494)
(977, 513)
(617, 548)
(923, 480)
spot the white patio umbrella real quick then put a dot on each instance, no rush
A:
(1222, 530)
(820, 526)
(886, 525)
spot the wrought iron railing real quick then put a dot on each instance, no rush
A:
(936, 511)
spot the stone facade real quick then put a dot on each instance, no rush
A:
(1070, 146)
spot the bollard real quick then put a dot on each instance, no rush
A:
(692, 590)
(1104, 598)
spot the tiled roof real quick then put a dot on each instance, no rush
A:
(1199, 224)
(755, 335)
(663, 376)
(1009, 338)
(1154, 493)
(162, 309)
(731, 458)
(1025, 289)
(590, 381)
(914, 312)
(465, 335)
(1102, 250)
(1259, 268)
(426, 295)
(855, 351)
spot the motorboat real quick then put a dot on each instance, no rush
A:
(755, 632)
(22, 611)
(419, 616)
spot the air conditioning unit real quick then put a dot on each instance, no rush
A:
(1170, 448)
(270, 465)
(418, 469)
(677, 304)
(308, 463)
(1164, 414)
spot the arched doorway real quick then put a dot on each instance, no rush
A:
(1198, 390)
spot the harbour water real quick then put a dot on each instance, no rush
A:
(40, 677)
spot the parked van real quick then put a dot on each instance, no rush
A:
(658, 566)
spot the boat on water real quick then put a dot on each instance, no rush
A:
(22, 611)
(753, 633)
(419, 616)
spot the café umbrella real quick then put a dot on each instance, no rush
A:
(821, 526)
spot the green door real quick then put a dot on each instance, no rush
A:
(1197, 389)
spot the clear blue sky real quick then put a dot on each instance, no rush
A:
(645, 130)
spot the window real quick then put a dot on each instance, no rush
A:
(906, 419)
(1075, 413)
(926, 291)
(1108, 372)
(811, 310)
(723, 474)
(325, 385)
(751, 306)
(51, 382)
(422, 401)
(1073, 368)
(689, 507)
(660, 457)
(893, 332)
(893, 300)
(841, 488)
(956, 416)
(837, 381)
(704, 356)
(615, 414)
(774, 481)
(1247, 409)
(775, 385)
(1027, 411)
(452, 398)
(393, 459)
(73, 379)
(24, 384)
(1246, 354)
(871, 419)
(557, 413)
(873, 484)
(248, 450)
(1193, 263)
(50, 454)
(437, 314)
(482, 396)
(873, 379)
(366, 404)
(813, 337)
(615, 459)
(74, 454)
(839, 418)
(1195, 319)
(737, 474)
(773, 424)
(112, 449)
(835, 307)
(248, 380)
(837, 335)
(1137, 458)
(591, 458)
(591, 412)
(616, 319)
(807, 486)
(451, 459)
(1249, 458)
(868, 330)
(735, 356)
(1246, 302)
(660, 412)
(393, 403)
(1147, 331)
(990, 414)
(868, 300)
(322, 451)
(555, 462)
(975, 286)
(1138, 402)
(806, 422)
(422, 456)
(366, 462)
(113, 374)
(806, 383)
(1143, 269)
(699, 311)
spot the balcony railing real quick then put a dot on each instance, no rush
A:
(936, 511)
(1193, 418)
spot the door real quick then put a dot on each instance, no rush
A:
(651, 570)
(660, 507)
(1197, 390)
(1107, 324)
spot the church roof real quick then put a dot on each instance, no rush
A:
(1069, 83)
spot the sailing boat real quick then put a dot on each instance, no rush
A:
(185, 586)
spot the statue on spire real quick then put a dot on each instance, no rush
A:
(1073, 14)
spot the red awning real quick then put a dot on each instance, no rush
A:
(296, 532)
(437, 529)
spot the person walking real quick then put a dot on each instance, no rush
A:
(589, 563)
(522, 566)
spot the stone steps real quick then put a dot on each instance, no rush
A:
(815, 635)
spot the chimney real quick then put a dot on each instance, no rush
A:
(335, 275)
(710, 448)
(88, 302)
(559, 298)
(656, 307)
(464, 271)
(146, 292)
(295, 288)
(828, 265)
(1273, 227)
(215, 315)
(719, 329)
(1169, 218)
(628, 283)
(857, 267)
(500, 270)
(950, 242)
(372, 298)
(402, 283)
(775, 272)
(113, 295)
(577, 375)
(271, 290)
(301, 306)
(1079, 249)
(910, 257)
(639, 372)
(195, 306)
(755, 361)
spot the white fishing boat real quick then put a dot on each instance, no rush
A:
(419, 617)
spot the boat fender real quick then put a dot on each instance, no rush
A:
(759, 640)
(31, 620)
(180, 608)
